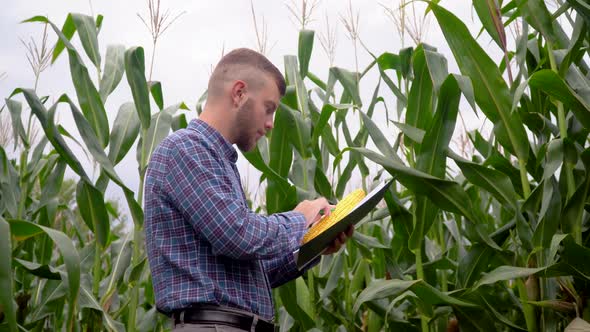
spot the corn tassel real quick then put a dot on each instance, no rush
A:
(342, 209)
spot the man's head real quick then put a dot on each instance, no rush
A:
(244, 91)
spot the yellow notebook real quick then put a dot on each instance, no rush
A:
(314, 245)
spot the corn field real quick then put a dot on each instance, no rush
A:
(497, 239)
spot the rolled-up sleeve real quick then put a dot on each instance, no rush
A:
(284, 268)
(202, 190)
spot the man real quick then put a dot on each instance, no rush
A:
(213, 261)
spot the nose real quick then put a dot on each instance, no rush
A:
(269, 123)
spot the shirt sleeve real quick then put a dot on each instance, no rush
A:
(283, 268)
(200, 187)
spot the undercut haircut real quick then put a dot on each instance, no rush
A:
(246, 65)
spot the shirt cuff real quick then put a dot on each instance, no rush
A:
(296, 223)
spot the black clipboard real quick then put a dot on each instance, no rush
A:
(308, 252)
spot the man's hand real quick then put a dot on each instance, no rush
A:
(339, 241)
(311, 210)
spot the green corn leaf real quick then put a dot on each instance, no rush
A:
(92, 208)
(405, 60)
(68, 29)
(304, 50)
(101, 157)
(537, 15)
(21, 229)
(378, 138)
(582, 8)
(491, 21)
(42, 271)
(52, 292)
(322, 123)
(114, 67)
(389, 61)
(179, 122)
(349, 81)
(437, 67)
(574, 208)
(335, 275)
(421, 96)
(124, 132)
(134, 272)
(294, 78)
(367, 241)
(345, 176)
(87, 300)
(359, 275)
(63, 131)
(90, 140)
(6, 283)
(391, 288)
(290, 299)
(300, 135)
(160, 125)
(549, 223)
(53, 183)
(448, 195)
(492, 94)
(120, 261)
(473, 264)
(303, 297)
(317, 81)
(200, 102)
(18, 130)
(549, 82)
(156, 91)
(432, 154)
(493, 181)
(135, 71)
(576, 256)
(46, 118)
(87, 31)
(322, 185)
(303, 172)
(501, 317)
(557, 305)
(471, 319)
(89, 98)
(411, 132)
(280, 150)
(503, 273)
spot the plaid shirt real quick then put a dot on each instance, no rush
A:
(203, 243)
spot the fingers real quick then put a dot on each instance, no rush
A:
(327, 210)
(321, 204)
(339, 241)
(349, 231)
(311, 209)
(315, 220)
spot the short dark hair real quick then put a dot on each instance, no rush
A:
(245, 57)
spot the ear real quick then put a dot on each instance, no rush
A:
(238, 92)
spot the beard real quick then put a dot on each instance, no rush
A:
(246, 132)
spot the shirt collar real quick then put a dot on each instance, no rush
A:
(212, 135)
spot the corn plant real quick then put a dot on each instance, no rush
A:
(494, 241)
(67, 267)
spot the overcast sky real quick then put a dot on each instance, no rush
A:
(194, 43)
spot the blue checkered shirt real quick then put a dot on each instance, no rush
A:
(204, 245)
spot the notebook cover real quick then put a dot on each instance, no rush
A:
(314, 248)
